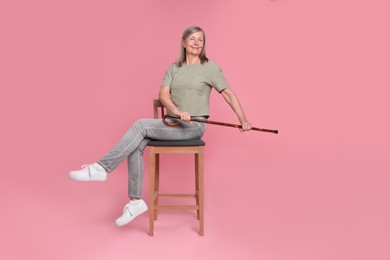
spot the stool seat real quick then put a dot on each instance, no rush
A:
(193, 142)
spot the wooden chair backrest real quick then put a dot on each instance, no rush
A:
(156, 105)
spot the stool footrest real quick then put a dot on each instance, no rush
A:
(176, 195)
(176, 207)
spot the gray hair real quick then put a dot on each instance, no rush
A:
(182, 56)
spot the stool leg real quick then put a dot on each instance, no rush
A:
(197, 184)
(157, 184)
(201, 189)
(152, 160)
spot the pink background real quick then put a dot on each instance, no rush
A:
(76, 74)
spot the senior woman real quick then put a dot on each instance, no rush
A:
(185, 92)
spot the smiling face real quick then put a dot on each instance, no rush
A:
(194, 43)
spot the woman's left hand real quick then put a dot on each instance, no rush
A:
(245, 127)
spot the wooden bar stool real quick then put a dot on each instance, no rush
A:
(195, 147)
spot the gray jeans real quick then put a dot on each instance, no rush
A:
(134, 141)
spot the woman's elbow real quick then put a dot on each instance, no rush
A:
(164, 93)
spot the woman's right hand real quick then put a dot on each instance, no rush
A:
(184, 116)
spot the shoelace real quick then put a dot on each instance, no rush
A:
(88, 166)
(129, 208)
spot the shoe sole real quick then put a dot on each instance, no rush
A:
(77, 179)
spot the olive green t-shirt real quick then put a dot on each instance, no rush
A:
(190, 86)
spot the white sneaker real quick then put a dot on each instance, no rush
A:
(89, 172)
(132, 209)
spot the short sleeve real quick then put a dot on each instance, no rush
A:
(218, 81)
(167, 80)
